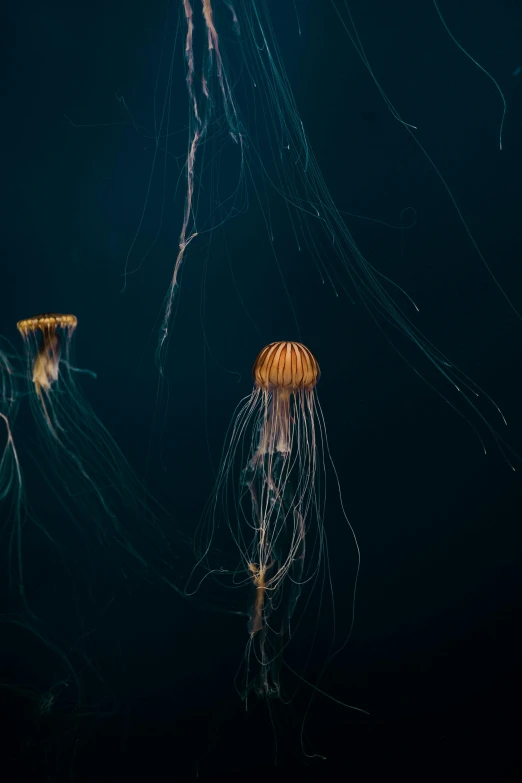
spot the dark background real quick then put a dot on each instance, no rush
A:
(436, 648)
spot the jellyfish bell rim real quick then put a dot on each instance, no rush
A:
(47, 321)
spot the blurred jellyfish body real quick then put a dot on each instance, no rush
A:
(271, 492)
(51, 681)
(84, 469)
(12, 503)
(49, 332)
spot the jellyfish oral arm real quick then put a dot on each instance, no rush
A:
(47, 362)
(256, 617)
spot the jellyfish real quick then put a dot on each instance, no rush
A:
(83, 466)
(64, 417)
(276, 514)
(284, 373)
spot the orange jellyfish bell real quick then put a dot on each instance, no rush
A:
(286, 366)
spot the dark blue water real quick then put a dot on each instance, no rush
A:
(108, 671)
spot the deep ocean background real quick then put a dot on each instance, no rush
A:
(435, 654)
